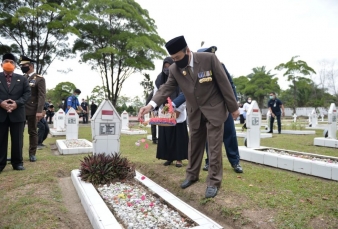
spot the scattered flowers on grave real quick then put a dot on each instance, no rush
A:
(103, 169)
(76, 143)
(140, 209)
(303, 156)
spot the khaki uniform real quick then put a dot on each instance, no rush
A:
(34, 105)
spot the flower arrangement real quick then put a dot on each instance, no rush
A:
(166, 118)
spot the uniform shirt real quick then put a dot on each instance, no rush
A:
(84, 106)
(72, 101)
(241, 110)
(275, 104)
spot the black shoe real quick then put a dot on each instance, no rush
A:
(39, 147)
(237, 168)
(206, 167)
(187, 183)
(270, 132)
(179, 165)
(19, 167)
(167, 163)
(32, 158)
(211, 192)
(279, 132)
(154, 141)
(43, 145)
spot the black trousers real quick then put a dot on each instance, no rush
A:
(153, 133)
(49, 115)
(43, 131)
(278, 123)
(85, 118)
(16, 131)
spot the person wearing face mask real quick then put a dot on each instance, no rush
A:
(172, 144)
(209, 100)
(276, 109)
(14, 93)
(35, 105)
(245, 110)
(73, 101)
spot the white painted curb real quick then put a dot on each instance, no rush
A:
(101, 217)
(296, 164)
(63, 149)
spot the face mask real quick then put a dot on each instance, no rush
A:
(63, 101)
(184, 62)
(249, 101)
(8, 67)
(271, 97)
(76, 96)
(166, 71)
(25, 69)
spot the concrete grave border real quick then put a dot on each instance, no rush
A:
(63, 149)
(101, 217)
(295, 164)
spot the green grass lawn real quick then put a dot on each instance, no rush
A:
(261, 197)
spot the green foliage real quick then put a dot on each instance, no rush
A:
(60, 92)
(38, 29)
(147, 85)
(257, 85)
(294, 71)
(99, 93)
(118, 38)
(104, 169)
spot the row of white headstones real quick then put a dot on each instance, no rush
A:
(254, 119)
(106, 125)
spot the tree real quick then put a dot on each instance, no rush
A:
(38, 29)
(61, 91)
(98, 94)
(295, 70)
(118, 38)
(137, 103)
(147, 85)
(240, 84)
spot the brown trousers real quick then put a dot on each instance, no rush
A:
(198, 137)
(33, 134)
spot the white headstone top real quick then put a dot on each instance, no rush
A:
(253, 123)
(125, 120)
(72, 124)
(106, 129)
(332, 121)
(322, 116)
(60, 120)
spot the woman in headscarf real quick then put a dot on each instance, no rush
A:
(172, 140)
(246, 109)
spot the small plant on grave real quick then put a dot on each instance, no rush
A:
(103, 169)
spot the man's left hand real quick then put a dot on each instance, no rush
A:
(235, 114)
(12, 105)
(283, 113)
(39, 116)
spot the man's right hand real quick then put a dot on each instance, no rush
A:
(144, 110)
(235, 114)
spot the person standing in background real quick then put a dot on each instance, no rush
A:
(246, 109)
(241, 112)
(42, 132)
(93, 108)
(153, 127)
(35, 104)
(276, 109)
(85, 109)
(14, 93)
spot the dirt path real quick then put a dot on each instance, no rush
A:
(76, 214)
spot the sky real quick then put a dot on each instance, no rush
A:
(248, 34)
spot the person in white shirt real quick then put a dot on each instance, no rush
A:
(241, 111)
(246, 108)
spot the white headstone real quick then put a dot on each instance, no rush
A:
(60, 120)
(314, 120)
(310, 118)
(54, 122)
(332, 121)
(125, 120)
(322, 115)
(253, 123)
(295, 117)
(106, 129)
(72, 124)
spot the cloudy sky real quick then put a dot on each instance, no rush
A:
(248, 34)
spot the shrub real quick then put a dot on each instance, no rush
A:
(104, 169)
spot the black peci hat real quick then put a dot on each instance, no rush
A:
(8, 56)
(175, 45)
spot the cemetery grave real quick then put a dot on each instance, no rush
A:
(73, 145)
(58, 124)
(311, 164)
(125, 126)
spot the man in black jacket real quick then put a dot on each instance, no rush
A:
(14, 93)
(153, 127)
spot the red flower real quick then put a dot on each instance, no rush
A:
(129, 204)
(143, 177)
